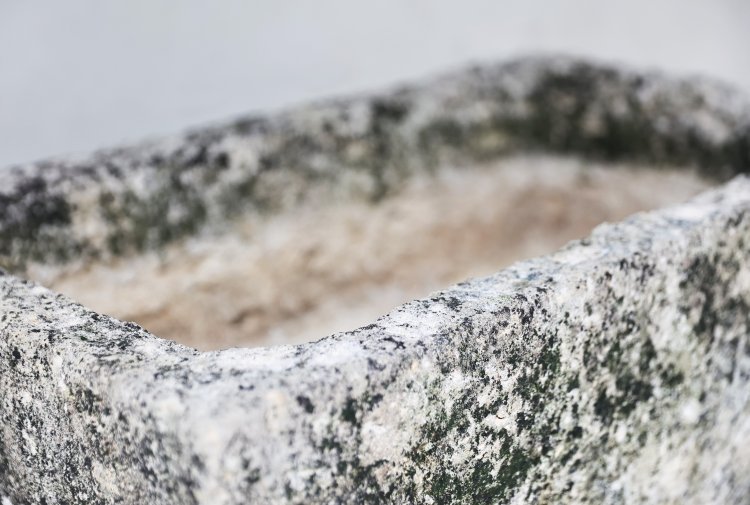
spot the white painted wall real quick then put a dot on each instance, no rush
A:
(81, 74)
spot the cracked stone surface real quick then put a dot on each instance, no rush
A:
(616, 370)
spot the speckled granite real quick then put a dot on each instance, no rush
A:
(614, 371)
(132, 199)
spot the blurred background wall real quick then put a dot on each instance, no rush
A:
(81, 74)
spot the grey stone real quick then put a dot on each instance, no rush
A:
(614, 371)
(140, 198)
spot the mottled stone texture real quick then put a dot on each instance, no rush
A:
(128, 200)
(614, 371)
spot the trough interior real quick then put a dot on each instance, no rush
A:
(333, 266)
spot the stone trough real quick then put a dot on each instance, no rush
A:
(615, 370)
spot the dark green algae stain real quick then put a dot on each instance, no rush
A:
(494, 477)
(630, 358)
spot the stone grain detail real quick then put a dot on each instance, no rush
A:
(128, 200)
(614, 371)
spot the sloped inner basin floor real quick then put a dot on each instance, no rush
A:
(299, 276)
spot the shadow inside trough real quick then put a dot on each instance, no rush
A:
(325, 268)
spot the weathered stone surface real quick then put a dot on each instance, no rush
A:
(614, 371)
(133, 199)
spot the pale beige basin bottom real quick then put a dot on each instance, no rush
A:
(302, 275)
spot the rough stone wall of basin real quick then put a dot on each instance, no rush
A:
(127, 200)
(614, 371)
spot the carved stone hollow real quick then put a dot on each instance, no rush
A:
(615, 370)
